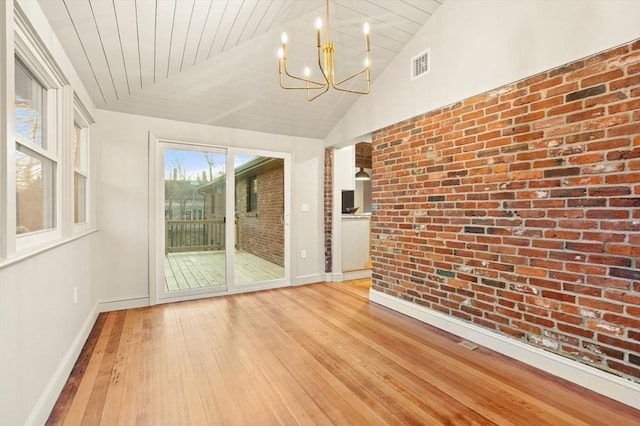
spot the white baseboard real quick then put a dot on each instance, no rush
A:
(334, 277)
(44, 405)
(356, 275)
(338, 277)
(309, 279)
(588, 377)
(118, 305)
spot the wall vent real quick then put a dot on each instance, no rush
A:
(420, 64)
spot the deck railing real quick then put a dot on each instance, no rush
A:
(194, 235)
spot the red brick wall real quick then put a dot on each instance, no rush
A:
(262, 232)
(328, 207)
(519, 210)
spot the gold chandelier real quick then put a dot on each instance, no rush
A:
(316, 88)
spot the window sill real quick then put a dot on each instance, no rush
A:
(19, 257)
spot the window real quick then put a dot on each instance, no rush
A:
(252, 194)
(44, 170)
(35, 155)
(80, 173)
(30, 99)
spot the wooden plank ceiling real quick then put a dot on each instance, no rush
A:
(214, 61)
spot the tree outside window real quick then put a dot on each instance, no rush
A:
(35, 162)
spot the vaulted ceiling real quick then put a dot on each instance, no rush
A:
(215, 61)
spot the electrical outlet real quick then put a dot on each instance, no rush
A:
(303, 254)
(75, 295)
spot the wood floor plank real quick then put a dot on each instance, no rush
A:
(102, 383)
(475, 390)
(276, 346)
(312, 355)
(78, 405)
(490, 372)
(296, 323)
(65, 399)
(380, 369)
(518, 375)
(132, 404)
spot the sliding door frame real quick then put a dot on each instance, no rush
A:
(156, 221)
(286, 280)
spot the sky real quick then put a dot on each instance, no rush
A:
(194, 162)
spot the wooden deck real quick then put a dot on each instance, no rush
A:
(207, 269)
(311, 355)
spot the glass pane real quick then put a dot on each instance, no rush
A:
(35, 183)
(194, 206)
(259, 226)
(79, 198)
(29, 106)
(76, 145)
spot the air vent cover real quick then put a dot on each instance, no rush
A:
(420, 64)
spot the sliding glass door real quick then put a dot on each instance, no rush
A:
(194, 220)
(218, 232)
(259, 215)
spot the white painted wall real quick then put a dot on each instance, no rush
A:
(344, 160)
(477, 46)
(123, 198)
(41, 328)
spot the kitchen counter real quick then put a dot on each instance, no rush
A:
(356, 216)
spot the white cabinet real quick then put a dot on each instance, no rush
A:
(355, 242)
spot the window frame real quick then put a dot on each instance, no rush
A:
(21, 44)
(252, 193)
(26, 56)
(49, 203)
(82, 120)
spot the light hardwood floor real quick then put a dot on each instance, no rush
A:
(316, 354)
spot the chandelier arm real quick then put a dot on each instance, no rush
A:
(299, 87)
(283, 70)
(352, 76)
(364, 70)
(359, 92)
(310, 98)
(306, 80)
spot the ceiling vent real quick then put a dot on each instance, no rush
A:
(420, 64)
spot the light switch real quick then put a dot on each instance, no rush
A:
(304, 207)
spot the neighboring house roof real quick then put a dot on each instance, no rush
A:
(255, 166)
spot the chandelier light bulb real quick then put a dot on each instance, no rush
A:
(307, 72)
(281, 53)
(367, 62)
(318, 23)
(365, 28)
(284, 38)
